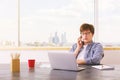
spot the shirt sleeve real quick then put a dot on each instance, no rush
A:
(96, 54)
(74, 46)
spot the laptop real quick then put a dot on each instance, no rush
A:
(63, 61)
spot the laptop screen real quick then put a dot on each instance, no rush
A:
(63, 60)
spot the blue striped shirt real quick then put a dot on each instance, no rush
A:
(93, 54)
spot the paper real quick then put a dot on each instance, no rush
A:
(44, 65)
(103, 67)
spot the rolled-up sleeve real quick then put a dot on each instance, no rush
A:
(95, 55)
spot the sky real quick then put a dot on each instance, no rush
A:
(61, 16)
(41, 18)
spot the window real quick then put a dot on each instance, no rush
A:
(53, 22)
(57, 22)
(8, 23)
(108, 21)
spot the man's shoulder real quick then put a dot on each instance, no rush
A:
(74, 45)
(96, 44)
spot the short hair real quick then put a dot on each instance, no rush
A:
(87, 26)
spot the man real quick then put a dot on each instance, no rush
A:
(85, 50)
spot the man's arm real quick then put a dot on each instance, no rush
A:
(79, 46)
(97, 56)
(81, 61)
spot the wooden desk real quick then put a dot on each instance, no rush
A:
(49, 74)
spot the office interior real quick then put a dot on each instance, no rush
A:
(34, 27)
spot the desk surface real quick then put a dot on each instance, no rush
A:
(49, 74)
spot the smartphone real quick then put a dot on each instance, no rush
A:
(82, 40)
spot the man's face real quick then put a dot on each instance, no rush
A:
(87, 36)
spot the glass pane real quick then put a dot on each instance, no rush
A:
(109, 21)
(8, 23)
(53, 22)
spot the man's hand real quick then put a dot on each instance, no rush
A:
(79, 46)
(79, 43)
(80, 61)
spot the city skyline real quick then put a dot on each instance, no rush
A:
(39, 19)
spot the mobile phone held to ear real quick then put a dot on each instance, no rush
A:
(82, 40)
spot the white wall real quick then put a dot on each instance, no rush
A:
(40, 56)
(111, 56)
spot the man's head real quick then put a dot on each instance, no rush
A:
(87, 32)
